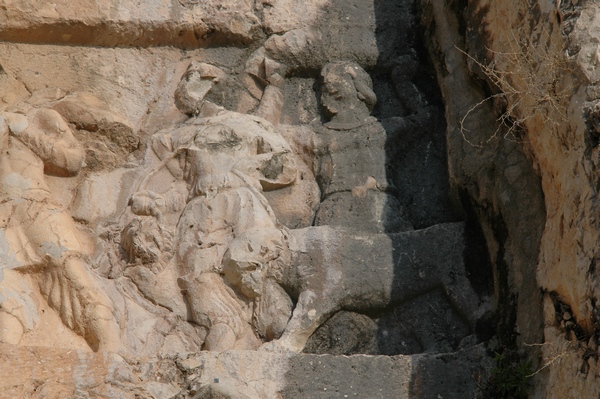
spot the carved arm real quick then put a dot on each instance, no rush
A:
(47, 134)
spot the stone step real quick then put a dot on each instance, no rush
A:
(40, 372)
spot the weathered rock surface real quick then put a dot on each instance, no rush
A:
(364, 273)
(180, 23)
(531, 180)
(56, 373)
(183, 183)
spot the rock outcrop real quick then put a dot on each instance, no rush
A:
(192, 193)
(519, 84)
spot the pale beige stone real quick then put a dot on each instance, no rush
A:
(167, 234)
(227, 160)
(41, 239)
(284, 15)
(186, 23)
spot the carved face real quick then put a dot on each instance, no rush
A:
(246, 276)
(252, 257)
(146, 242)
(347, 92)
(338, 93)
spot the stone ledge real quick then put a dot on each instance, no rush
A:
(40, 372)
(185, 24)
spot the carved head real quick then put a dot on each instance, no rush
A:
(255, 255)
(146, 242)
(347, 87)
(195, 84)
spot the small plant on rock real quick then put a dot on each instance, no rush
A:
(510, 378)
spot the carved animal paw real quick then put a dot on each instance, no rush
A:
(274, 346)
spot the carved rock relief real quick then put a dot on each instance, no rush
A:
(221, 229)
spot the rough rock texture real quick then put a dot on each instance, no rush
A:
(57, 373)
(368, 272)
(179, 23)
(191, 189)
(493, 179)
(519, 81)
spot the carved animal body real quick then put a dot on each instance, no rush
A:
(334, 270)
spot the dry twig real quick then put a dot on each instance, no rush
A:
(529, 84)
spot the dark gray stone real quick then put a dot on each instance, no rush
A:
(417, 167)
(374, 271)
(446, 376)
(426, 324)
(348, 157)
(333, 270)
(327, 376)
(451, 375)
(345, 333)
(376, 212)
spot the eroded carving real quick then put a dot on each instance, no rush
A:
(333, 269)
(227, 160)
(148, 243)
(195, 238)
(40, 242)
(238, 267)
(353, 163)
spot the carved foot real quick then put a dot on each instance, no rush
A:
(11, 329)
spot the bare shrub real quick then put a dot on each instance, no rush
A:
(528, 82)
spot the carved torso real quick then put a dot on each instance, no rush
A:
(347, 157)
(233, 150)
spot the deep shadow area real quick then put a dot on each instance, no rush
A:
(411, 109)
(409, 115)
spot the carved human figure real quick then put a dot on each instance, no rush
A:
(353, 163)
(227, 160)
(333, 269)
(344, 262)
(39, 242)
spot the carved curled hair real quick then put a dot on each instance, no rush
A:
(145, 241)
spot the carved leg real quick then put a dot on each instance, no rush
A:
(212, 305)
(464, 299)
(309, 313)
(81, 303)
(18, 311)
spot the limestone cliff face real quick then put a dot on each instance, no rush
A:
(167, 142)
(532, 181)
